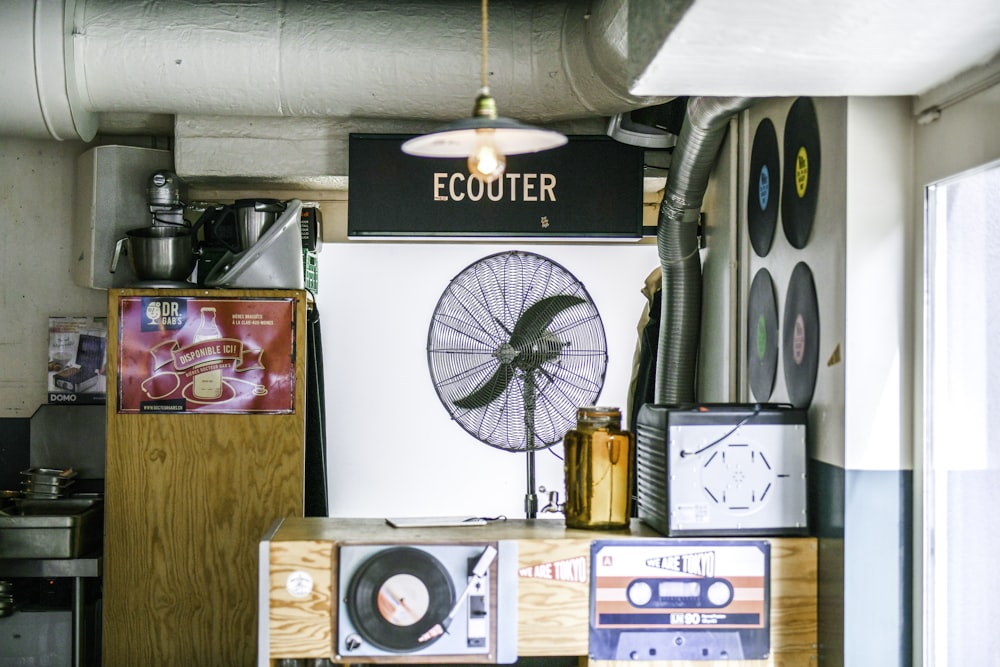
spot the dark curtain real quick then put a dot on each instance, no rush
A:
(315, 501)
(645, 379)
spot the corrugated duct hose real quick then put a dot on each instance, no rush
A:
(702, 133)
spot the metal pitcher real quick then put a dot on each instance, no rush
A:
(254, 217)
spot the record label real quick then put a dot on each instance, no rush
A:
(800, 342)
(763, 190)
(764, 187)
(762, 336)
(800, 182)
(403, 600)
(802, 172)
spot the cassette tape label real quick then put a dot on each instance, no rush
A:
(702, 563)
(668, 597)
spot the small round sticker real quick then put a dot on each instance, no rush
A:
(299, 584)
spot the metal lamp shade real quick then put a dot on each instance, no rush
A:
(458, 139)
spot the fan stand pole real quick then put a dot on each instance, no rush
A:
(530, 498)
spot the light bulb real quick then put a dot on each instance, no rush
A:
(486, 162)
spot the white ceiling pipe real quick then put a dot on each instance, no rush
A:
(331, 58)
(36, 52)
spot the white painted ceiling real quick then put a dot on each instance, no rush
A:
(766, 48)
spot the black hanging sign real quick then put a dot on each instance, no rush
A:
(591, 187)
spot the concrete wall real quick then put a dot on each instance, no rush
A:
(37, 184)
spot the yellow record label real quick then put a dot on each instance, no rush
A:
(802, 171)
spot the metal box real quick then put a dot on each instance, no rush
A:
(111, 198)
(60, 528)
(37, 639)
(722, 469)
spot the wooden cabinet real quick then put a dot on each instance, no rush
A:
(552, 612)
(188, 497)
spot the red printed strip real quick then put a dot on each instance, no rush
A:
(573, 570)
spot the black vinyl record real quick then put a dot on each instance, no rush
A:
(800, 337)
(764, 188)
(762, 336)
(397, 595)
(800, 183)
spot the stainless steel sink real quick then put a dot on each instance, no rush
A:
(53, 528)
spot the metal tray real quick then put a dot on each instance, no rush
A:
(49, 475)
(60, 528)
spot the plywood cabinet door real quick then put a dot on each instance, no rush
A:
(188, 497)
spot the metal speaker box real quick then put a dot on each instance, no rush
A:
(111, 190)
(722, 469)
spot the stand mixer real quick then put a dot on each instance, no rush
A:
(163, 195)
(162, 254)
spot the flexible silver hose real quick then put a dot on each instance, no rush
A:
(702, 133)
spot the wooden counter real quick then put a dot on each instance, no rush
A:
(553, 616)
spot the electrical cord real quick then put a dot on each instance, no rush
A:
(756, 411)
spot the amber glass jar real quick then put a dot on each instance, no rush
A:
(598, 470)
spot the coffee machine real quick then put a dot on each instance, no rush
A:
(270, 253)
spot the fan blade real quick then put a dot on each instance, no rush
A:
(539, 316)
(488, 391)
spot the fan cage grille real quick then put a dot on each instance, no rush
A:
(537, 375)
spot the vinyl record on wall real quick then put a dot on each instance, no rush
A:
(762, 336)
(800, 182)
(764, 188)
(800, 336)
(397, 595)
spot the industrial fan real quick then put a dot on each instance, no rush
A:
(515, 347)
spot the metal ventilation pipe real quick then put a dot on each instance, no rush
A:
(65, 61)
(702, 133)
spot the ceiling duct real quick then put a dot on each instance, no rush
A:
(554, 61)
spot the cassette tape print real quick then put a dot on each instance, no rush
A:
(677, 599)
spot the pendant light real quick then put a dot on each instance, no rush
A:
(486, 139)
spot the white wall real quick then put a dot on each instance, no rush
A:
(879, 254)
(824, 255)
(393, 450)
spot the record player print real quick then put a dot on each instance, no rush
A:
(416, 602)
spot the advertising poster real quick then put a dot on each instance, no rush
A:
(206, 355)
